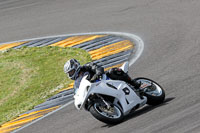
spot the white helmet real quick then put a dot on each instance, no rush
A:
(72, 68)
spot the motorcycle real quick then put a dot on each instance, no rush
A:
(111, 100)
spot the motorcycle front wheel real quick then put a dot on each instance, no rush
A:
(113, 115)
(154, 92)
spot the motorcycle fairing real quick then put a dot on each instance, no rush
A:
(115, 88)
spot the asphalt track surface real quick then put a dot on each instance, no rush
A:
(170, 31)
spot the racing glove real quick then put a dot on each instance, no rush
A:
(96, 76)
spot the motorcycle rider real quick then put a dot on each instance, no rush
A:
(76, 72)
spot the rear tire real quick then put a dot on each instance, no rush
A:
(154, 97)
(102, 115)
(152, 100)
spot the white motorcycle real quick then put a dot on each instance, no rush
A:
(111, 100)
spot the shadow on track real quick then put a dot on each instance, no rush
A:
(142, 111)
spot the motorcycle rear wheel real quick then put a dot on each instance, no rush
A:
(155, 94)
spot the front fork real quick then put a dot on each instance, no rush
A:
(106, 103)
(93, 99)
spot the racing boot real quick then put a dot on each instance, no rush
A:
(137, 86)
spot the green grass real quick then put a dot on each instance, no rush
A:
(28, 76)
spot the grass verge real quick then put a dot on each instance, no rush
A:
(28, 76)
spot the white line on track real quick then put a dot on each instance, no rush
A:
(138, 51)
(137, 40)
(34, 121)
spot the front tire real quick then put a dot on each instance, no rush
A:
(113, 115)
(155, 94)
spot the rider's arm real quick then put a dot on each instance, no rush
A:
(94, 68)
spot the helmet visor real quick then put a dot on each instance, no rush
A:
(71, 73)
